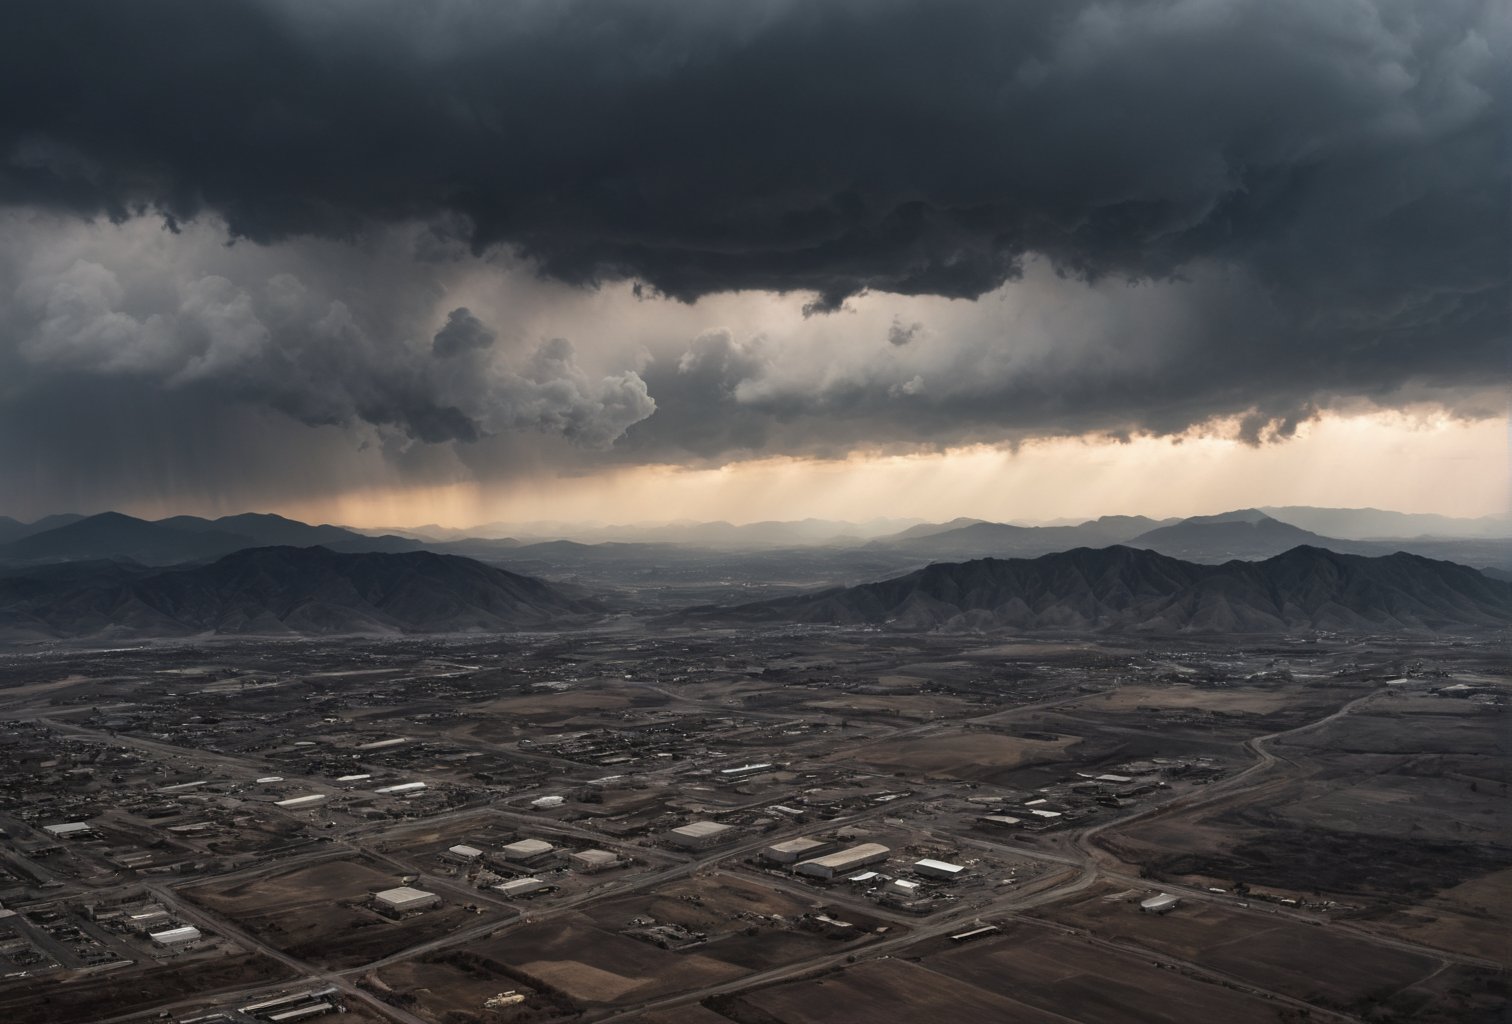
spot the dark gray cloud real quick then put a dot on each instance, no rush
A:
(1351, 154)
(899, 334)
(462, 333)
(1170, 210)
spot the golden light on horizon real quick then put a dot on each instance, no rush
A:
(1410, 463)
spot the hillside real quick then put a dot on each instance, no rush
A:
(1123, 588)
(972, 538)
(284, 590)
(112, 535)
(1247, 534)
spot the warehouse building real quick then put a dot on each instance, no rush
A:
(745, 771)
(940, 869)
(294, 803)
(462, 854)
(1164, 903)
(176, 936)
(402, 789)
(844, 861)
(589, 861)
(520, 887)
(700, 835)
(405, 900)
(69, 830)
(526, 849)
(794, 850)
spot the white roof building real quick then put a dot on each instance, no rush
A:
(1160, 904)
(699, 834)
(793, 850)
(526, 849)
(404, 899)
(938, 869)
(401, 789)
(844, 861)
(68, 829)
(520, 887)
(176, 936)
(594, 860)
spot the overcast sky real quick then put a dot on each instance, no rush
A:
(388, 262)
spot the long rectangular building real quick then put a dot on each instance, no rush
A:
(844, 861)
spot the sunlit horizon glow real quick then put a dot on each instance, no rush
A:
(1424, 462)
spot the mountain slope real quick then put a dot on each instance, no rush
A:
(288, 590)
(1381, 524)
(117, 536)
(1247, 534)
(973, 538)
(268, 530)
(1123, 588)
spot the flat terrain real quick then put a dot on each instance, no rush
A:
(1331, 812)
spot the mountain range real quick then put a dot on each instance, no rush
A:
(283, 590)
(112, 535)
(1128, 589)
(685, 564)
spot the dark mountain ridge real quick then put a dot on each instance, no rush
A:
(282, 590)
(178, 539)
(1129, 589)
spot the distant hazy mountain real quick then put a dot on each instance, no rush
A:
(14, 529)
(284, 590)
(1122, 588)
(974, 538)
(1378, 524)
(111, 535)
(1248, 534)
(267, 530)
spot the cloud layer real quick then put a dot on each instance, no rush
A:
(1161, 211)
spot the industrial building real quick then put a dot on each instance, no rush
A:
(700, 835)
(176, 936)
(294, 803)
(745, 771)
(520, 887)
(938, 869)
(843, 862)
(794, 850)
(462, 854)
(903, 887)
(405, 900)
(1163, 903)
(69, 830)
(589, 861)
(526, 849)
(402, 789)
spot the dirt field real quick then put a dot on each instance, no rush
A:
(881, 992)
(316, 912)
(445, 983)
(1226, 700)
(1052, 973)
(725, 907)
(79, 1002)
(591, 966)
(1470, 918)
(969, 756)
(1264, 950)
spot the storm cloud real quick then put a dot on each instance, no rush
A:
(1347, 151)
(655, 231)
